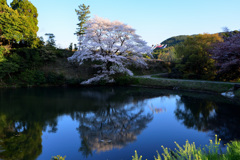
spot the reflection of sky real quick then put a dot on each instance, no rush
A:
(65, 142)
(164, 129)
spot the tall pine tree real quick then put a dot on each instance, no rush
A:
(83, 16)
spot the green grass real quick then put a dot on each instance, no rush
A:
(185, 85)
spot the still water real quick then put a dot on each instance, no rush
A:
(109, 123)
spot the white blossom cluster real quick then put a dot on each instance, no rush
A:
(113, 45)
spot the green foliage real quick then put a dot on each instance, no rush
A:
(18, 25)
(135, 157)
(32, 77)
(22, 66)
(75, 47)
(26, 58)
(17, 144)
(166, 54)
(83, 17)
(6, 68)
(70, 47)
(63, 53)
(125, 80)
(190, 152)
(3, 51)
(55, 79)
(173, 41)
(3, 2)
(51, 41)
(233, 150)
(47, 54)
(58, 157)
(82, 13)
(195, 58)
(186, 84)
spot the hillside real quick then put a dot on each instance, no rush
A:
(174, 40)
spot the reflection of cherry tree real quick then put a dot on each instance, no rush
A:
(111, 127)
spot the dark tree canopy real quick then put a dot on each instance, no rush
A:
(227, 56)
(175, 40)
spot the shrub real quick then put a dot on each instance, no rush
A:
(126, 80)
(58, 157)
(32, 77)
(55, 79)
(233, 150)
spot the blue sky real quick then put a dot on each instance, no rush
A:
(154, 20)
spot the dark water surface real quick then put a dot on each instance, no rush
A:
(109, 123)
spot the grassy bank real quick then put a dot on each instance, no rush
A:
(207, 86)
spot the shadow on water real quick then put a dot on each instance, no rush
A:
(108, 117)
(206, 115)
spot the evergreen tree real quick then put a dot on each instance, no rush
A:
(51, 41)
(75, 47)
(82, 13)
(70, 46)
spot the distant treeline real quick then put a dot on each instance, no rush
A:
(203, 56)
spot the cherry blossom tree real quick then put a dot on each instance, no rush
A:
(227, 56)
(111, 47)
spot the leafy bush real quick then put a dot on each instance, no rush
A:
(32, 77)
(29, 58)
(63, 53)
(58, 157)
(195, 57)
(6, 68)
(55, 79)
(233, 150)
(126, 80)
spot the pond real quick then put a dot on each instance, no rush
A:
(109, 123)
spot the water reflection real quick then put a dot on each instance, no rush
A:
(107, 118)
(19, 140)
(111, 127)
(195, 113)
(205, 115)
(102, 113)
